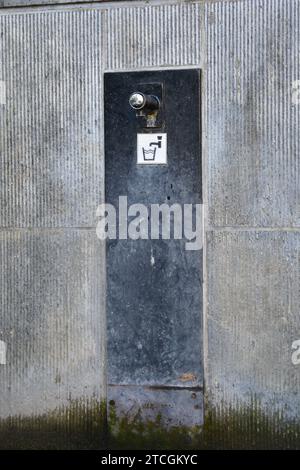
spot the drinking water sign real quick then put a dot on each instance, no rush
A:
(152, 149)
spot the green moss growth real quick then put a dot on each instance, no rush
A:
(126, 433)
(249, 427)
(244, 428)
(80, 425)
(89, 425)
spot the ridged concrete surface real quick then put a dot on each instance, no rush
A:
(22, 3)
(159, 35)
(253, 319)
(253, 296)
(52, 281)
(248, 51)
(50, 143)
(252, 122)
(50, 302)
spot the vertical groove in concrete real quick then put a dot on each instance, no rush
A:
(253, 140)
(154, 35)
(52, 282)
(253, 181)
(253, 319)
(51, 143)
(50, 303)
(51, 170)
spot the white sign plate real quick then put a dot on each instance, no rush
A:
(152, 149)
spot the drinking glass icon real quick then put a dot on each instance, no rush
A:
(149, 154)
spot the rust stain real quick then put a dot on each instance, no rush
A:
(188, 377)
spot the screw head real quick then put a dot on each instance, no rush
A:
(137, 100)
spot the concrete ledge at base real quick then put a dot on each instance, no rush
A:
(143, 417)
(244, 427)
(172, 406)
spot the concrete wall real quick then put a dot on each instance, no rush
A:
(52, 282)
(253, 236)
(52, 285)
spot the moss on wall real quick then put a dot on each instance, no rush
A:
(84, 425)
(245, 428)
(131, 433)
(80, 425)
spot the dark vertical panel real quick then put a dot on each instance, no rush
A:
(154, 293)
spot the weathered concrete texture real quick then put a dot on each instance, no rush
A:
(177, 407)
(153, 36)
(252, 119)
(52, 282)
(24, 3)
(252, 148)
(51, 297)
(51, 176)
(253, 319)
(80, 424)
(50, 141)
